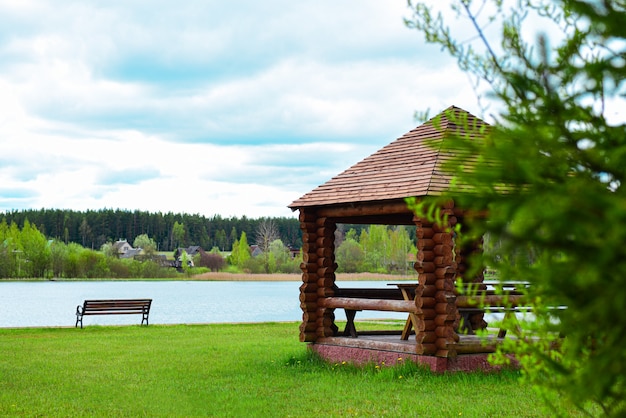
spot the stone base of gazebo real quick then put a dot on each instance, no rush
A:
(389, 351)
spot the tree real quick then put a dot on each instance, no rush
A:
(220, 239)
(58, 254)
(349, 256)
(232, 237)
(376, 246)
(147, 245)
(351, 234)
(186, 263)
(551, 175)
(279, 257)
(109, 250)
(8, 249)
(401, 246)
(72, 262)
(178, 234)
(85, 231)
(266, 233)
(36, 251)
(240, 253)
(92, 264)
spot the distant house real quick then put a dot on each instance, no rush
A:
(191, 251)
(293, 251)
(255, 250)
(122, 246)
(163, 261)
(125, 250)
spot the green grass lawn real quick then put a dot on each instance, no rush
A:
(228, 370)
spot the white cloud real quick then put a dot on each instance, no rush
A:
(203, 106)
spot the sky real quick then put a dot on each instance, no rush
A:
(204, 106)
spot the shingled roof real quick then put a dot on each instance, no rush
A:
(409, 166)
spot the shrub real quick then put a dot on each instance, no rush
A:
(213, 261)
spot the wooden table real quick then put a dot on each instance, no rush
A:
(408, 293)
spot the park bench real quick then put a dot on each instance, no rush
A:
(114, 307)
(353, 300)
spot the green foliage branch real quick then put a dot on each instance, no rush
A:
(551, 176)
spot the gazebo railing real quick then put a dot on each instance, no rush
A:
(469, 307)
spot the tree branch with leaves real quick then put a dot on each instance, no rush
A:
(550, 174)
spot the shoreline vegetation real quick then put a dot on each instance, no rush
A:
(238, 277)
(31, 253)
(276, 277)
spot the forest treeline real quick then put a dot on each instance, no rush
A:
(93, 228)
(28, 249)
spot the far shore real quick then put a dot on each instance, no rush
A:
(238, 277)
(295, 277)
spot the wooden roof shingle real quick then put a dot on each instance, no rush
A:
(409, 166)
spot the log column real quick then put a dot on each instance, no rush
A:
(326, 267)
(309, 287)
(447, 316)
(435, 296)
(318, 275)
(425, 293)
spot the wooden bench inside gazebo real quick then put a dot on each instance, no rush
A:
(373, 191)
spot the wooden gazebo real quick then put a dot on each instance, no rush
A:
(373, 191)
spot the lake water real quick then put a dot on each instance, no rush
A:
(40, 304)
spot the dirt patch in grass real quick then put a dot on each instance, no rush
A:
(281, 277)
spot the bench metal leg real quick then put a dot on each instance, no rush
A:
(144, 317)
(79, 316)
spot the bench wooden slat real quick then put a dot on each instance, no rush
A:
(101, 307)
(113, 306)
(112, 311)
